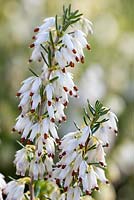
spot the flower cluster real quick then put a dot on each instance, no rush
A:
(59, 42)
(44, 97)
(82, 157)
(27, 159)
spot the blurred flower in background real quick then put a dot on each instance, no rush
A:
(107, 75)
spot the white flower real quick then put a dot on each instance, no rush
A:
(67, 40)
(37, 169)
(26, 85)
(2, 182)
(2, 185)
(36, 54)
(15, 190)
(85, 25)
(21, 161)
(107, 128)
(48, 24)
(86, 131)
(101, 175)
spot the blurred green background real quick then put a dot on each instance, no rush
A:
(107, 75)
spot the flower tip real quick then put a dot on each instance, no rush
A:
(30, 60)
(65, 103)
(64, 70)
(45, 136)
(52, 120)
(29, 141)
(32, 45)
(36, 29)
(34, 37)
(13, 129)
(75, 88)
(74, 51)
(18, 94)
(70, 92)
(107, 182)
(49, 103)
(88, 47)
(71, 64)
(32, 110)
(22, 140)
(82, 59)
(31, 94)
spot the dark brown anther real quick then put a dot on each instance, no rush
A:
(13, 129)
(65, 88)
(76, 96)
(32, 45)
(65, 189)
(22, 140)
(52, 120)
(58, 181)
(60, 121)
(64, 118)
(49, 103)
(75, 88)
(81, 146)
(107, 182)
(57, 99)
(101, 163)
(82, 59)
(31, 94)
(60, 156)
(18, 94)
(58, 141)
(49, 155)
(77, 59)
(70, 92)
(107, 145)
(28, 141)
(63, 166)
(30, 60)
(71, 64)
(32, 110)
(115, 131)
(34, 37)
(88, 47)
(20, 108)
(39, 154)
(45, 136)
(73, 173)
(97, 188)
(64, 70)
(52, 155)
(19, 132)
(40, 59)
(65, 104)
(64, 153)
(74, 51)
(36, 29)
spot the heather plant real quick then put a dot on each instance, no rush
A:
(50, 167)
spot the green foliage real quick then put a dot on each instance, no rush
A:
(93, 115)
